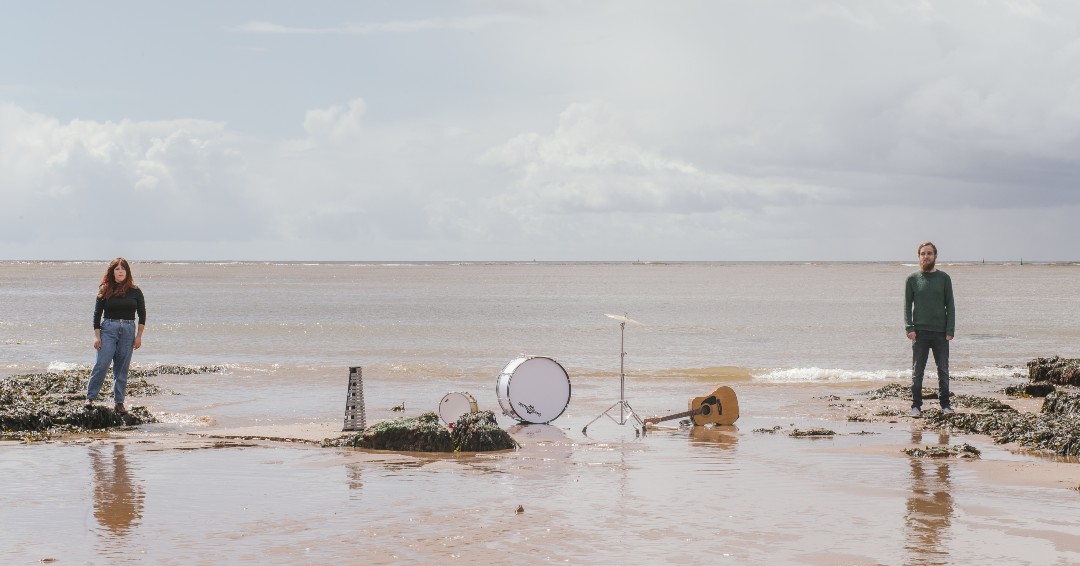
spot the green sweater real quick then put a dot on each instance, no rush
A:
(928, 303)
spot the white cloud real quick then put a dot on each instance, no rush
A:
(403, 26)
(155, 179)
(591, 163)
(336, 121)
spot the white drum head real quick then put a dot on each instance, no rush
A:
(533, 390)
(454, 405)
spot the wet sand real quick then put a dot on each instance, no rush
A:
(225, 487)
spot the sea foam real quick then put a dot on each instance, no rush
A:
(817, 375)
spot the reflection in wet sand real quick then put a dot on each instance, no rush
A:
(118, 499)
(713, 450)
(720, 436)
(929, 508)
(543, 446)
(543, 453)
(355, 474)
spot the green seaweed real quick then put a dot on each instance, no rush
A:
(812, 433)
(473, 432)
(965, 451)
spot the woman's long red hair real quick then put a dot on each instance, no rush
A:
(110, 287)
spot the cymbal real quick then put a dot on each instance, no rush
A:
(622, 318)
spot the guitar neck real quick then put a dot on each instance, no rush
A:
(676, 416)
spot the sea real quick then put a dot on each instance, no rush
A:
(633, 336)
(767, 322)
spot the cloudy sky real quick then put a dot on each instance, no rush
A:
(552, 130)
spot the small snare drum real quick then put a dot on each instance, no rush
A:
(455, 405)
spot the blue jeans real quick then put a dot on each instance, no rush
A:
(927, 341)
(117, 343)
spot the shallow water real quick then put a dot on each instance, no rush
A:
(729, 493)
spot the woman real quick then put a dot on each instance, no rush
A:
(115, 337)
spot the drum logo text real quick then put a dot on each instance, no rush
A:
(529, 409)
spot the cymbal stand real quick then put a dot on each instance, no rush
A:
(626, 412)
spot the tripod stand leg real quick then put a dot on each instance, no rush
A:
(637, 419)
(617, 403)
(623, 418)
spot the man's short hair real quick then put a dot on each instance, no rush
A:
(923, 245)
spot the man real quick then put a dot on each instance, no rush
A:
(930, 321)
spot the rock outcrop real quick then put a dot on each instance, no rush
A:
(473, 432)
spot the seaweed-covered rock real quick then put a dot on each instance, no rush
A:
(772, 430)
(898, 391)
(473, 432)
(1061, 402)
(35, 406)
(812, 433)
(891, 391)
(965, 451)
(1040, 389)
(1056, 432)
(1057, 370)
(976, 402)
(901, 391)
(479, 432)
(1056, 428)
(60, 416)
(424, 433)
(170, 369)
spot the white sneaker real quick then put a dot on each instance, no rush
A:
(916, 412)
(948, 410)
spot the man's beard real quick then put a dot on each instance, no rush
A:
(929, 265)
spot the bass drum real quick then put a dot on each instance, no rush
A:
(456, 405)
(534, 389)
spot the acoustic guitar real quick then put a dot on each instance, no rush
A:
(720, 407)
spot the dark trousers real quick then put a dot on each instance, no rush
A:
(927, 341)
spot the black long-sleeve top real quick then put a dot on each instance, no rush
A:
(123, 307)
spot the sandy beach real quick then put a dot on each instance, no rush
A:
(268, 493)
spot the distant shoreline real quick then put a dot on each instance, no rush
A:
(465, 263)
